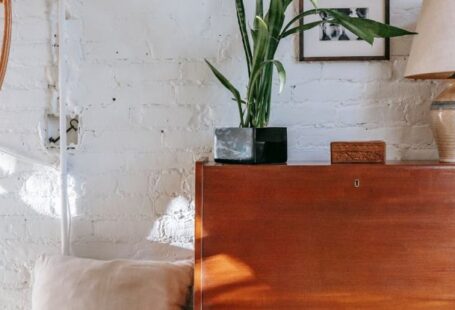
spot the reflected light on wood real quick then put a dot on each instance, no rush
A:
(228, 270)
(199, 224)
(232, 277)
(6, 45)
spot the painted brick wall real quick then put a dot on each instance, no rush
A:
(148, 106)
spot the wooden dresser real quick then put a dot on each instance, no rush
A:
(325, 237)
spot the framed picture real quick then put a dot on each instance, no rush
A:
(332, 42)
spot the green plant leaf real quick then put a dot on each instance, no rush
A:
(275, 18)
(254, 34)
(259, 12)
(366, 29)
(244, 33)
(260, 8)
(230, 87)
(281, 74)
(299, 16)
(279, 67)
(380, 30)
(304, 27)
(259, 114)
(286, 3)
(350, 24)
(261, 40)
(315, 3)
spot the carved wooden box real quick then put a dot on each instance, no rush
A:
(373, 152)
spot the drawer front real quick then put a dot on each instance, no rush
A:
(335, 237)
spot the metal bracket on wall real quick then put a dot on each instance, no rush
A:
(74, 126)
(53, 135)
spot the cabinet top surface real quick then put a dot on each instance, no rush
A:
(434, 164)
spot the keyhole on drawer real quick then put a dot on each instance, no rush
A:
(357, 183)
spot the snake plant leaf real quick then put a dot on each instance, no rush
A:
(315, 3)
(275, 18)
(280, 69)
(281, 74)
(299, 16)
(225, 81)
(254, 34)
(286, 3)
(260, 8)
(261, 41)
(351, 24)
(367, 29)
(380, 30)
(260, 13)
(303, 27)
(241, 18)
(229, 86)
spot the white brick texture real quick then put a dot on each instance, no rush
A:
(148, 106)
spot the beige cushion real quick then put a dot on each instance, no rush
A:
(68, 283)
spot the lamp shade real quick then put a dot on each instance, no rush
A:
(433, 50)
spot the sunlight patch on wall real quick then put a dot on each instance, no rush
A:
(7, 164)
(41, 192)
(176, 227)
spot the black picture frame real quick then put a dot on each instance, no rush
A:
(386, 55)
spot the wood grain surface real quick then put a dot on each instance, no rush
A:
(325, 237)
(373, 152)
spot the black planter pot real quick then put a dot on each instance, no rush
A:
(251, 145)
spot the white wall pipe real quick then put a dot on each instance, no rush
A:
(65, 214)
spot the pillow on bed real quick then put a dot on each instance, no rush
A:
(68, 283)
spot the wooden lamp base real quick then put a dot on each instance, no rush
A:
(443, 122)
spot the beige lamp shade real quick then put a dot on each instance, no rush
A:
(433, 50)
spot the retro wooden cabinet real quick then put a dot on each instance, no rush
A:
(325, 237)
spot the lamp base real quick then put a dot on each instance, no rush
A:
(443, 122)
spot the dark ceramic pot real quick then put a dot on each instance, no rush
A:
(251, 145)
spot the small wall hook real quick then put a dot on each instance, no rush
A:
(74, 124)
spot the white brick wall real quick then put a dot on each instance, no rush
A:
(148, 107)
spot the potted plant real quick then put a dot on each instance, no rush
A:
(253, 141)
